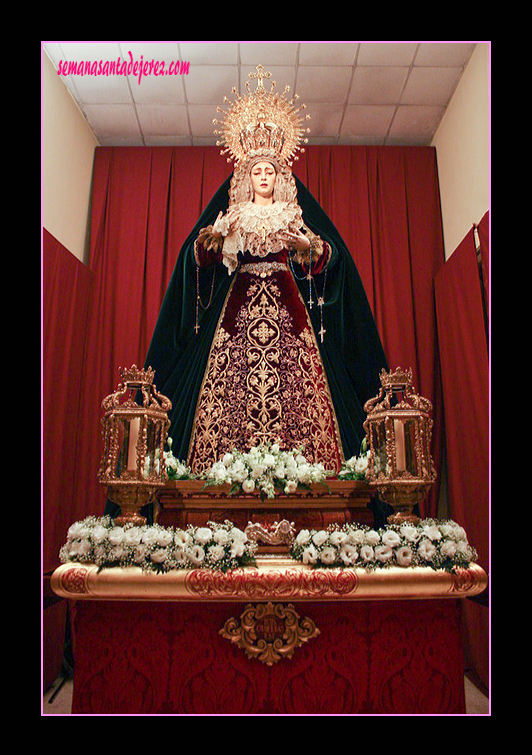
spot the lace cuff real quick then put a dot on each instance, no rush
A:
(317, 248)
(207, 246)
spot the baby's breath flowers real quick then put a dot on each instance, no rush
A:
(432, 543)
(155, 548)
(266, 469)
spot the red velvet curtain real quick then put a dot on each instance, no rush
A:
(461, 295)
(384, 201)
(464, 360)
(67, 286)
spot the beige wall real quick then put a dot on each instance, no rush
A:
(462, 145)
(67, 160)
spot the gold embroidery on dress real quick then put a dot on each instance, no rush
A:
(264, 384)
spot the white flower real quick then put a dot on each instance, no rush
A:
(203, 535)
(383, 553)
(149, 535)
(280, 471)
(448, 549)
(159, 556)
(117, 552)
(237, 548)
(410, 533)
(221, 537)
(290, 487)
(319, 538)
(170, 462)
(139, 554)
(248, 486)
(372, 537)
(196, 554)
(181, 538)
(164, 538)
(367, 553)
(302, 537)
(459, 532)
(76, 531)
(356, 536)
(216, 552)
(426, 550)
(432, 532)
(328, 555)
(304, 474)
(391, 538)
(464, 549)
(350, 464)
(338, 537)
(348, 554)
(257, 470)
(116, 535)
(79, 548)
(310, 555)
(237, 534)
(218, 471)
(132, 536)
(404, 555)
(269, 461)
(361, 465)
(180, 557)
(238, 471)
(291, 467)
(99, 533)
(447, 530)
(227, 460)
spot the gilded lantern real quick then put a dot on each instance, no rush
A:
(399, 431)
(135, 426)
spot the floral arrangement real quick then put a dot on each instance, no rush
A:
(266, 469)
(430, 543)
(175, 469)
(355, 468)
(154, 548)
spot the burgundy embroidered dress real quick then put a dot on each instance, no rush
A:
(264, 380)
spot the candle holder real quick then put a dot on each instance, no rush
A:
(399, 431)
(132, 466)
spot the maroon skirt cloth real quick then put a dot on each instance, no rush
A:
(265, 381)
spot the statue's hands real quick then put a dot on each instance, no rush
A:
(298, 241)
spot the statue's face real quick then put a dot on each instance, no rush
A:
(263, 179)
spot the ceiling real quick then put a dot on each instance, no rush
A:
(392, 93)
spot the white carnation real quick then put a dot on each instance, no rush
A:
(328, 555)
(404, 555)
(203, 535)
(319, 538)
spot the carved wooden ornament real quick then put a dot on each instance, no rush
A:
(269, 632)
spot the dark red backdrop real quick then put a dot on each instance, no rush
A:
(462, 303)
(385, 203)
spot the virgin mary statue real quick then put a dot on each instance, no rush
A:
(265, 334)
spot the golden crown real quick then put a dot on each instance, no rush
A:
(397, 377)
(262, 123)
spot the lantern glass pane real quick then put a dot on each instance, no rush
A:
(127, 429)
(410, 448)
(379, 447)
(154, 437)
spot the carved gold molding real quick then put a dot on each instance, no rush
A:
(269, 632)
(275, 579)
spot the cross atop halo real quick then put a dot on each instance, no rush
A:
(260, 75)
